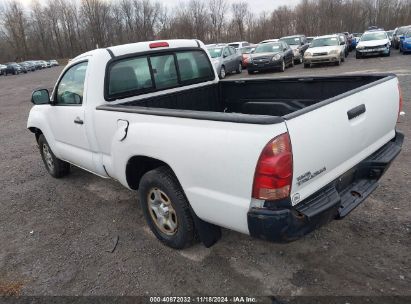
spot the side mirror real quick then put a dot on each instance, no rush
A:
(40, 97)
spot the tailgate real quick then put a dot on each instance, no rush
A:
(333, 136)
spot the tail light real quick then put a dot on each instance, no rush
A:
(400, 101)
(273, 174)
(155, 45)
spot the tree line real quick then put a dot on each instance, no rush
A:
(65, 28)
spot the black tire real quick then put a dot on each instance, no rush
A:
(164, 181)
(338, 63)
(342, 59)
(239, 68)
(283, 65)
(55, 167)
(250, 72)
(292, 62)
(223, 72)
(307, 65)
(358, 55)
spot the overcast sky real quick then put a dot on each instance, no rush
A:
(256, 6)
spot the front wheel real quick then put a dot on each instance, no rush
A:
(166, 208)
(239, 68)
(55, 167)
(282, 68)
(222, 72)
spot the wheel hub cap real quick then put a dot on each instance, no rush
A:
(162, 211)
(48, 157)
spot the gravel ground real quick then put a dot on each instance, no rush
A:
(55, 233)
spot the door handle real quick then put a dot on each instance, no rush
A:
(78, 121)
(355, 112)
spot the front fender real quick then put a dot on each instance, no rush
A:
(38, 119)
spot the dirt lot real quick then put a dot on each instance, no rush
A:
(55, 233)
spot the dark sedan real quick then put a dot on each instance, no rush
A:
(13, 68)
(270, 56)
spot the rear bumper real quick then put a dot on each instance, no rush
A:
(334, 201)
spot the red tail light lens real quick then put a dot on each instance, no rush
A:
(155, 45)
(273, 174)
(400, 101)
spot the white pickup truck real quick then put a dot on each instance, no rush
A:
(273, 158)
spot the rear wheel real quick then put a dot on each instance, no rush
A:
(307, 65)
(239, 68)
(55, 167)
(250, 72)
(166, 208)
(292, 62)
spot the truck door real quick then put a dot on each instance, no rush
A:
(67, 117)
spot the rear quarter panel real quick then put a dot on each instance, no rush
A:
(213, 161)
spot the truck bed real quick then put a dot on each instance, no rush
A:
(259, 101)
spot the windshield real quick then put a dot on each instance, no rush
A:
(215, 52)
(408, 35)
(291, 41)
(268, 48)
(402, 30)
(373, 36)
(318, 42)
(246, 50)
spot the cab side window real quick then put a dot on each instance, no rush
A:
(226, 52)
(71, 86)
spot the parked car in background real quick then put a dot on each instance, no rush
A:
(31, 65)
(43, 64)
(13, 68)
(396, 36)
(225, 59)
(239, 45)
(3, 69)
(325, 49)
(344, 41)
(373, 43)
(269, 40)
(25, 67)
(390, 35)
(245, 53)
(54, 62)
(270, 56)
(405, 42)
(310, 39)
(299, 45)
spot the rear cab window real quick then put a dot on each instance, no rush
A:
(137, 75)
